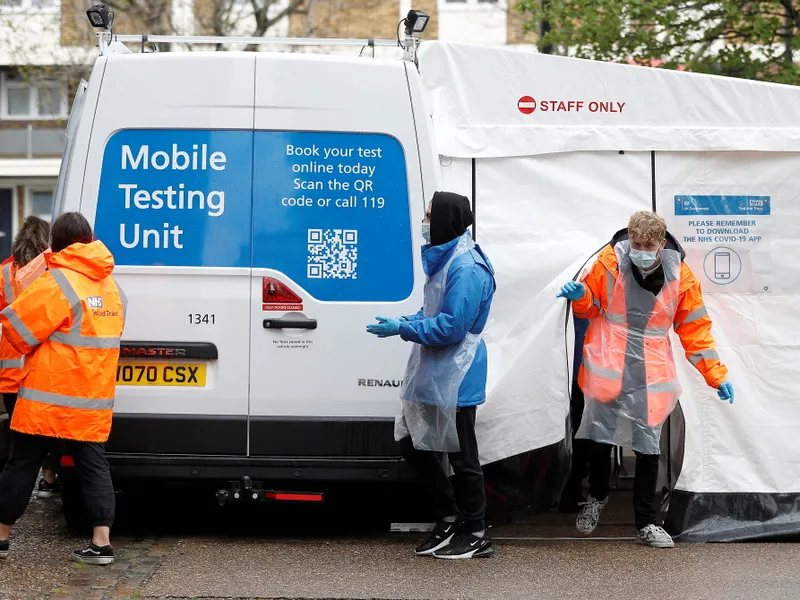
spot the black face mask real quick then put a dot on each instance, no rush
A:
(451, 216)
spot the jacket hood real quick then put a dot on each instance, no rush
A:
(434, 258)
(672, 243)
(451, 216)
(93, 260)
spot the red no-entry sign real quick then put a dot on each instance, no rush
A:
(526, 105)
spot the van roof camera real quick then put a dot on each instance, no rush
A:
(100, 16)
(416, 21)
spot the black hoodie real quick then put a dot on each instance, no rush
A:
(655, 280)
(451, 216)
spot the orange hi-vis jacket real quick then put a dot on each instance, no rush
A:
(68, 323)
(10, 358)
(691, 321)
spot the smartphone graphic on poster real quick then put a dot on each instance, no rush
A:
(722, 265)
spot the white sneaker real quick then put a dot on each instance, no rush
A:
(655, 536)
(590, 514)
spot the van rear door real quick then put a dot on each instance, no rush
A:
(168, 176)
(335, 243)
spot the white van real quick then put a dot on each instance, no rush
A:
(262, 209)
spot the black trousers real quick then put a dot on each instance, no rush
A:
(644, 482)
(464, 494)
(50, 463)
(19, 477)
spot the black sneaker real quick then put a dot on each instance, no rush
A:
(439, 538)
(94, 555)
(4, 549)
(467, 545)
(48, 490)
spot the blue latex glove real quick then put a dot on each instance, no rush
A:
(385, 327)
(725, 392)
(572, 290)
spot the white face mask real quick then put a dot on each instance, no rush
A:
(426, 232)
(643, 260)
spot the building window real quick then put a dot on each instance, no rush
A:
(29, 5)
(19, 101)
(42, 204)
(22, 100)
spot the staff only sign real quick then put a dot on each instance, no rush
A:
(528, 105)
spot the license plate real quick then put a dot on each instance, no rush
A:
(169, 374)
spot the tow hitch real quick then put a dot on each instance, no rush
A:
(247, 490)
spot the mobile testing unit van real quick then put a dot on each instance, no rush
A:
(262, 208)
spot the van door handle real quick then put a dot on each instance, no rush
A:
(290, 323)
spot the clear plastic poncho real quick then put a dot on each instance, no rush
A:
(429, 396)
(630, 382)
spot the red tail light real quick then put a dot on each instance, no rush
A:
(295, 496)
(67, 461)
(277, 296)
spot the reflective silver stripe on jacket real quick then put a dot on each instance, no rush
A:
(74, 337)
(11, 363)
(598, 304)
(20, 327)
(703, 355)
(8, 289)
(695, 315)
(66, 401)
(662, 387)
(655, 333)
(602, 371)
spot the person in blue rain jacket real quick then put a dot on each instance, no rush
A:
(458, 297)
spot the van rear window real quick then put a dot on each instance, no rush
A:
(329, 210)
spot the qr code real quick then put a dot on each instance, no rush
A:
(332, 253)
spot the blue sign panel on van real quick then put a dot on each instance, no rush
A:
(177, 197)
(331, 211)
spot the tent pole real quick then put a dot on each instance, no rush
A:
(474, 217)
(653, 177)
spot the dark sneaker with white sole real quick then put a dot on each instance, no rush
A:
(47, 490)
(4, 549)
(441, 535)
(94, 555)
(467, 545)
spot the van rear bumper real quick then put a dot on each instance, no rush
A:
(214, 435)
(206, 447)
(219, 468)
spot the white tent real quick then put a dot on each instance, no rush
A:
(556, 154)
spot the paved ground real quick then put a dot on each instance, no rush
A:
(194, 551)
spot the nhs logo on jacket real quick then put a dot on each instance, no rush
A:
(94, 301)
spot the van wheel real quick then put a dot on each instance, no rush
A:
(72, 505)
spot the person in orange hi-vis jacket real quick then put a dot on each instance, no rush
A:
(638, 288)
(68, 324)
(31, 240)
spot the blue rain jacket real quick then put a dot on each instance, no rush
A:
(467, 300)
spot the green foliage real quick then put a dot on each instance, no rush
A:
(738, 38)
